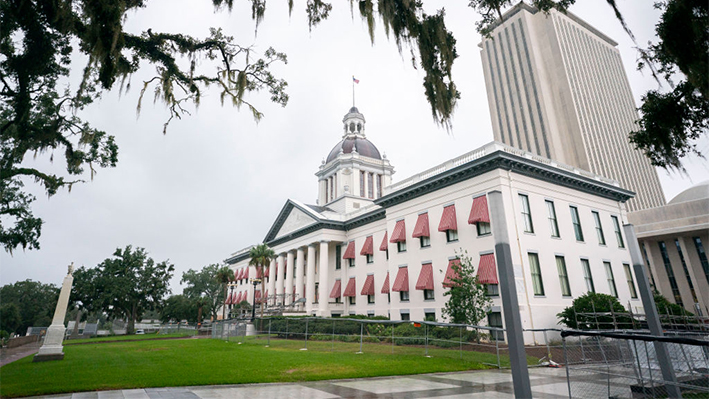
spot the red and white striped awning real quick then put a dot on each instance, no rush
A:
(368, 247)
(385, 287)
(402, 280)
(236, 274)
(351, 289)
(448, 219)
(245, 275)
(229, 299)
(336, 289)
(385, 243)
(350, 251)
(421, 229)
(425, 281)
(265, 297)
(451, 273)
(487, 271)
(236, 299)
(368, 288)
(258, 295)
(399, 234)
(479, 213)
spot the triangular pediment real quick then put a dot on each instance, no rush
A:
(295, 220)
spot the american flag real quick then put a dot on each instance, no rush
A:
(355, 80)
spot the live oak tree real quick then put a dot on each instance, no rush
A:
(25, 304)
(40, 38)
(467, 302)
(205, 287)
(124, 286)
(178, 308)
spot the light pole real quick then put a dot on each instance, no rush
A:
(230, 287)
(255, 282)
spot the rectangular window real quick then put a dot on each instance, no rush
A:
(351, 262)
(405, 316)
(379, 186)
(370, 299)
(338, 300)
(629, 278)
(587, 275)
(361, 183)
(537, 282)
(494, 319)
(370, 185)
(425, 241)
(686, 271)
(610, 278)
(353, 300)
(388, 297)
(334, 183)
(317, 293)
(577, 223)
(370, 313)
(404, 296)
(599, 228)
(649, 270)
(483, 228)
(526, 214)
(387, 253)
(553, 225)
(333, 315)
(618, 234)
(401, 246)
(370, 258)
(670, 274)
(428, 295)
(451, 235)
(338, 257)
(430, 316)
(492, 289)
(563, 276)
(702, 256)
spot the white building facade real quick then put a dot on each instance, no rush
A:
(389, 253)
(557, 88)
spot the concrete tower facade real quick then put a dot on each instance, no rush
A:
(556, 87)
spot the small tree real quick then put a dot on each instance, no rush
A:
(468, 302)
(261, 256)
(594, 311)
(205, 287)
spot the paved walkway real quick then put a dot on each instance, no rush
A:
(546, 383)
(10, 355)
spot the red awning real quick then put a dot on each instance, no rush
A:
(448, 219)
(425, 281)
(368, 247)
(368, 288)
(385, 287)
(399, 234)
(268, 271)
(236, 274)
(350, 251)
(258, 294)
(421, 229)
(351, 289)
(479, 213)
(228, 299)
(402, 280)
(245, 274)
(385, 242)
(487, 271)
(265, 297)
(236, 299)
(335, 293)
(451, 273)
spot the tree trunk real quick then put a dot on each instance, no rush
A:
(199, 316)
(131, 320)
(226, 290)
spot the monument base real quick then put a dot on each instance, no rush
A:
(48, 357)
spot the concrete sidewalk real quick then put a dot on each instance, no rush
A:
(10, 355)
(546, 383)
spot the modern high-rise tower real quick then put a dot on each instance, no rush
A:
(556, 87)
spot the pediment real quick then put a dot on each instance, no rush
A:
(295, 220)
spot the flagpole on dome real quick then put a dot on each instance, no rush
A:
(354, 80)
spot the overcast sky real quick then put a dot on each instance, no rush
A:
(217, 180)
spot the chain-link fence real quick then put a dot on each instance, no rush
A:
(625, 365)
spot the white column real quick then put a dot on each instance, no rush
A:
(310, 280)
(299, 270)
(324, 288)
(289, 278)
(279, 282)
(271, 281)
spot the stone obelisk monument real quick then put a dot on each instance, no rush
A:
(52, 348)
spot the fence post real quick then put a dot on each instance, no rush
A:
(460, 340)
(566, 365)
(361, 331)
(333, 335)
(269, 333)
(497, 350)
(392, 339)
(640, 369)
(306, 336)
(426, 332)
(546, 341)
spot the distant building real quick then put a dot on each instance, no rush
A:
(674, 240)
(371, 247)
(556, 87)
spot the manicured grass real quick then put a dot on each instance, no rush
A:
(132, 337)
(161, 363)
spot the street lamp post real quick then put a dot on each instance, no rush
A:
(255, 282)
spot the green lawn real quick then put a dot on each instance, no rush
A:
(132, 337)
(160, 363)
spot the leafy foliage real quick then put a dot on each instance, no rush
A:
(468, 302)
(577, 315)
(205, 285)
(124, 286)
(178, 308)
(35, 302)
(224, 276)
(261, 256)
(665, 307)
